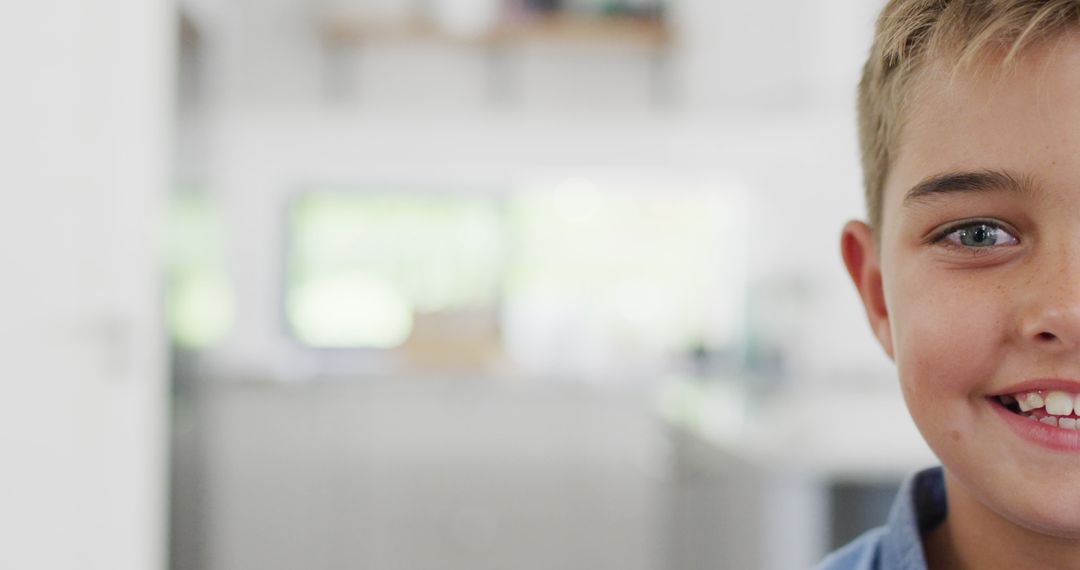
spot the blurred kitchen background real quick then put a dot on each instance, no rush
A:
(454, 284)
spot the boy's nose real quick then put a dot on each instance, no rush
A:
(1051, 318)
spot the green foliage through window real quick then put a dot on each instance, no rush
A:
(199, 306)
(361, 265)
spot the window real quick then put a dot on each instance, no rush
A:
(604, 273)
(575, 272)
(199, 304)
(361, 265)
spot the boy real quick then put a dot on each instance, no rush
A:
(969, 271)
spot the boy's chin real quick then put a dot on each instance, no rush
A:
(1051, 512)
(1043, 503)
(1065, 527)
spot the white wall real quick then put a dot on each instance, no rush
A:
(82, 401)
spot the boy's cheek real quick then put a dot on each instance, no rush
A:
(948, 342)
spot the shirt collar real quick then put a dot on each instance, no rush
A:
(919, 507)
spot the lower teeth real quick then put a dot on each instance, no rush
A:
(1040, 415)
(1064, 423)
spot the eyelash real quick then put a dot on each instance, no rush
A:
(938, 238)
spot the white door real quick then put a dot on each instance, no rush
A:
(84, 132)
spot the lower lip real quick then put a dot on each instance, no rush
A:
(1055, 438)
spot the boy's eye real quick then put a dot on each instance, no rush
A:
(978, 235)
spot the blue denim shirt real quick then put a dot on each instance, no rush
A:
(919, 507)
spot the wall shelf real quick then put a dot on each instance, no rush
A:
(344, 35)
(619, 30)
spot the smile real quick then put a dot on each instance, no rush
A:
(1051, 407)
(1044, 417)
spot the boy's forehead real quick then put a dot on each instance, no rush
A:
(1022, 118)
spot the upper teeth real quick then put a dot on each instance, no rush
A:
(1057, 404)
(1030, 401)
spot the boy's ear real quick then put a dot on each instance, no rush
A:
(861, 258)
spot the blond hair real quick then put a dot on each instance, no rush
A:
(911, 33)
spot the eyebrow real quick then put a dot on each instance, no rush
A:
(967, 182)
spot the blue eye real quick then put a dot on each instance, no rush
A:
(979, 235)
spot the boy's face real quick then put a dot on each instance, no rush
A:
(975, 291)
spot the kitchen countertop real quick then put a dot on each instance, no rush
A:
(842, 434)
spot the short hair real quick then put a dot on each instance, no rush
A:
(909, 35)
